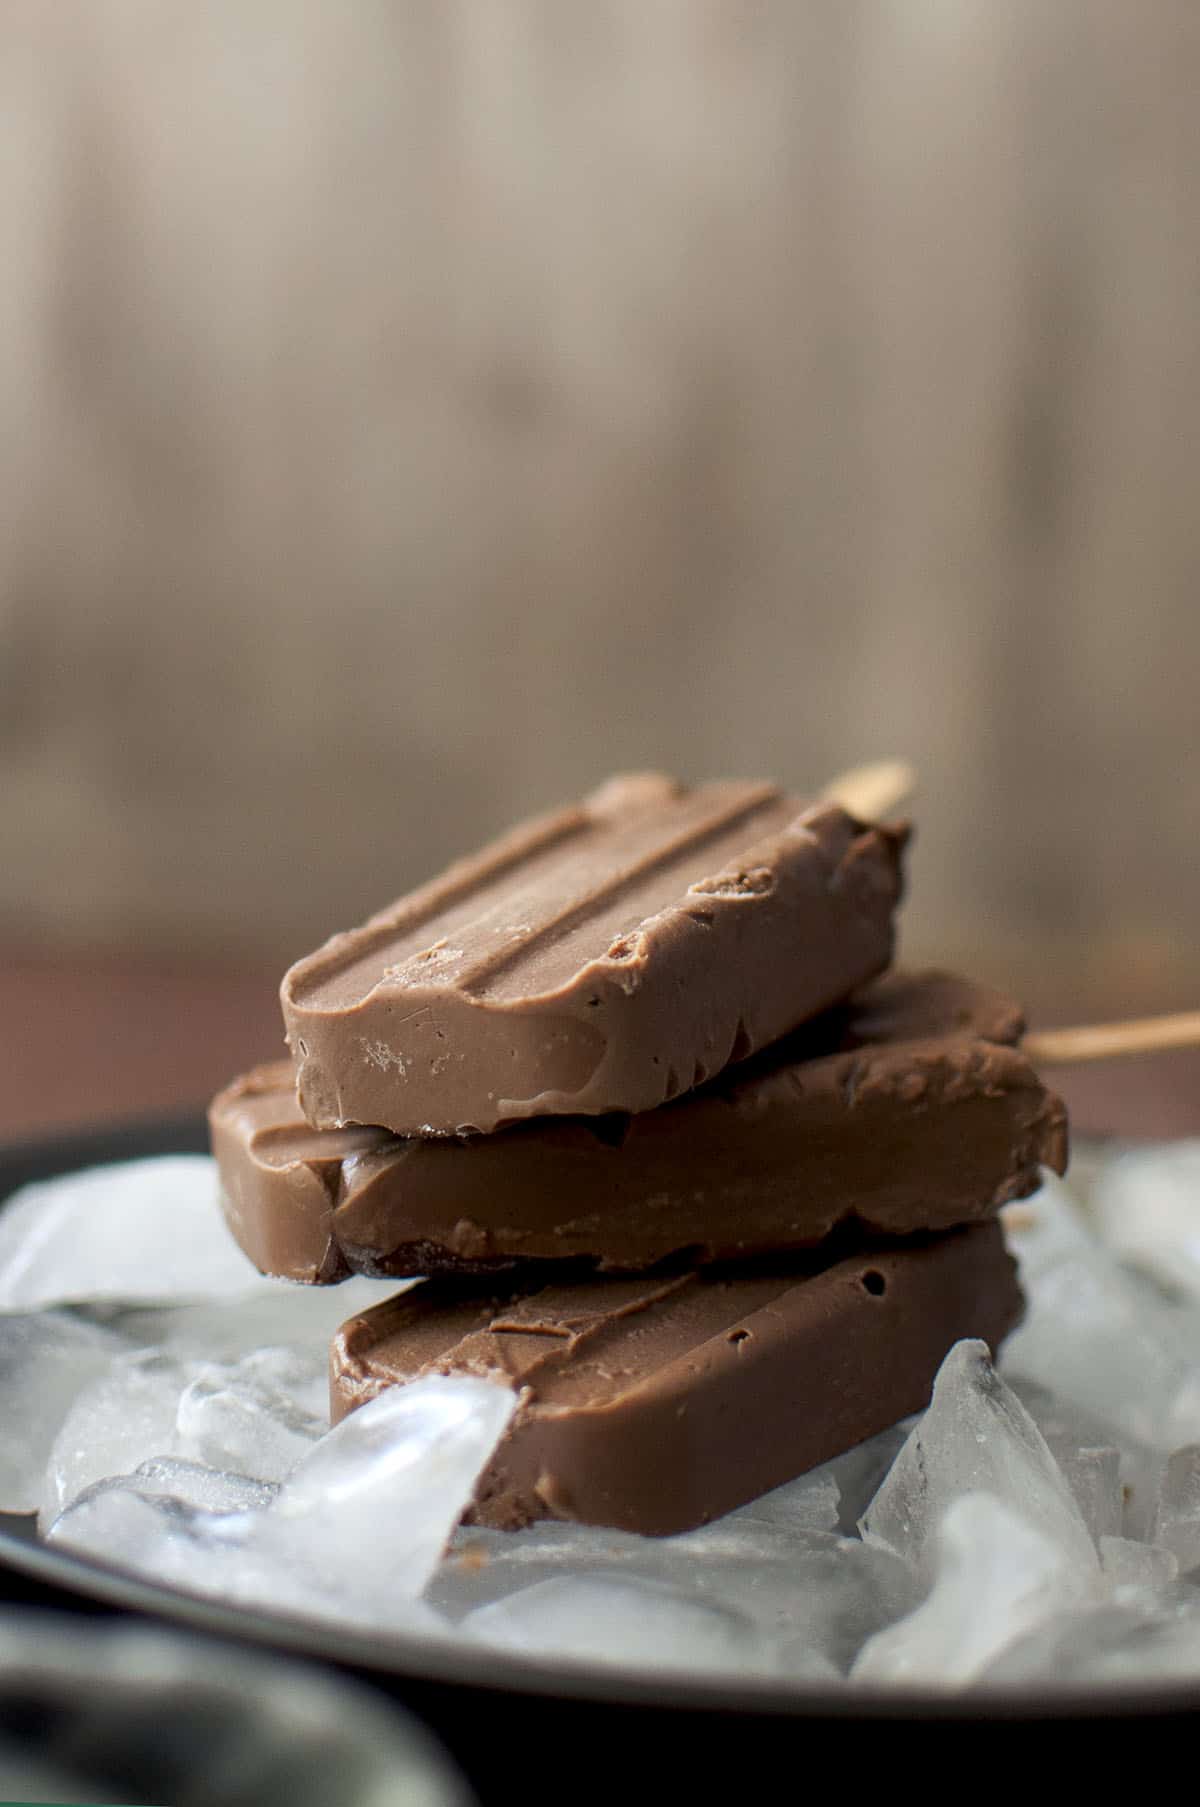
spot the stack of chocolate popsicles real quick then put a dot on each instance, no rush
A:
(680, 1169)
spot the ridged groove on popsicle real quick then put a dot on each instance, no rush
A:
(323, 977)
(586, 928)
(641, 876)
(584, 979)
(557, 1333)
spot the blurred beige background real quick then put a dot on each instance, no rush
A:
(411, 411)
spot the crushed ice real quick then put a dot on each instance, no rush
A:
(166, 1412)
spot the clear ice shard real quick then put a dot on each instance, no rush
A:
(997, 1576)
(230, 1419)
(242, 1417)
(122, 1523)
(137, 1230)
(370, 1509)
(976, 1437)
(625, 1622)
(125, 1416)
(1147, 1205)
(1098, 1335)
(352, 1537)
(46, 1359)
(800, 1588)
(156, 1534)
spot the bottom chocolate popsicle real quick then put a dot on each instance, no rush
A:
(658, 1403)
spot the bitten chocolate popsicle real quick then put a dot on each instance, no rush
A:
(657, 1404)
(902, 1111)
(604, 958)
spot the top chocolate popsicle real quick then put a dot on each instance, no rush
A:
(606, 957)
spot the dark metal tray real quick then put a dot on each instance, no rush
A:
(502, 1717)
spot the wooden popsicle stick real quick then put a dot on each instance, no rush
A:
(1105, 1041)
(873, 791)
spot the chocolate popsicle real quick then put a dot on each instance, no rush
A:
(606, 957)
(656, 1404)
(905, 1110)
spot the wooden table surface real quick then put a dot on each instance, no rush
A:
(86, 1041)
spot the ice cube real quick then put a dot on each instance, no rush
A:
(167, 1540)
(976, 1437)
(232, 1418)
(125, 1525)
(275, 1314)
(1099, 1335)
(499, 1562)
(124, 1417)
(1077, 1439)
(624, 1622)
(203, 1489)
(827, 1593)
(860, 1472)
(300, 1375)
(802, 1588)
(481, 1565)
(1176, 1520)
(234, 1555)
(807, 1504)
(1109, 1643)
(46, 1359)
(1094, 1477)
(183, 1494)
(369, 1510)
(1136, 1569)
(1147, 1206)
(997, 1576)
(135, 1230)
